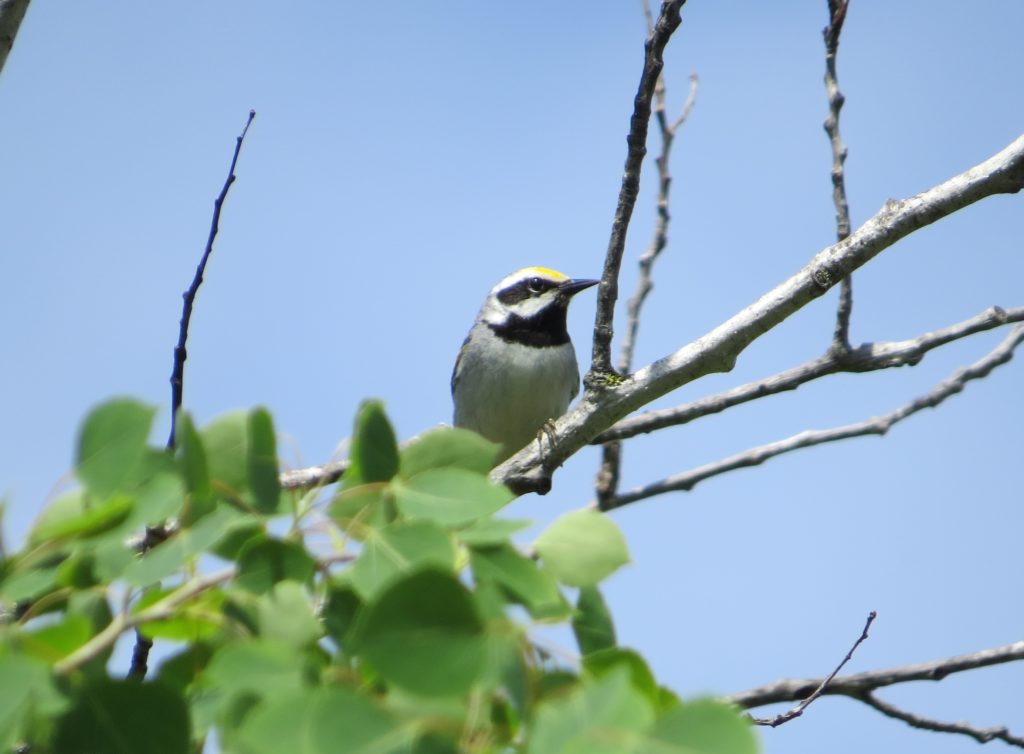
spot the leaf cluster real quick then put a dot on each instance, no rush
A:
(392, 615)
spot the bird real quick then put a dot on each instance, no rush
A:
(516, 370)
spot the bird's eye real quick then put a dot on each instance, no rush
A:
(535, 285)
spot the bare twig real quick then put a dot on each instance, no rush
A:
(668, 21)
(798, 710)
(11, 14)
(861, 687)
(314, 476)
(868, 357)
(878, 425)
(607, 482)
(837, 15)
(180, 354)
(154, 535)
(794, 689)
(981, 735)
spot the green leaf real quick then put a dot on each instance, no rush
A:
(450, 496)
(199, 618)
(57, 640)
(423, 633)
(23, 585)
(111, 442)
(604, 661)
(286, 615)
(72, 515)
(448, 446)
(264, 562)
(592, 623)
(260, 667)
(521, 578)
(374, 454)
(227, 456)
(169, 556)
(399, 548)
(606, 716)
(491, 531)
(262, 460)
(582, 548)
(359, 509)
(340, 612)
(28, 693)
(125, 717)
(703, 726)
(322, 721)
(191, 457)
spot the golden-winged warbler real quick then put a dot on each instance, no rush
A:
(517, 368)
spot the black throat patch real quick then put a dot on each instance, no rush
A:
(546, 328)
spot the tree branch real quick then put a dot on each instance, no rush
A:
(867, 357)
(981, 735)
(878, 425)
(189, 297)
(607, 482)
(11, 14)
(837, 15)
(794, 689)
(861, 686)
(798, 710)
(156, 534)
(607, 294)
(530, 470)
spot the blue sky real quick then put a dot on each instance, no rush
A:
(406, 156)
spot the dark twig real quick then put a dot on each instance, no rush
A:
(156, 534)
(607, 482)
(798, 710)
(865, 358)
(837, 15)
(981, 735)
(794, 689)
(180, 354)
(876, 426)
(668, 21)
(861, 687)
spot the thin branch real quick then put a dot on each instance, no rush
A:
(11, 14)
(607, 482)
(876, 426)
(122, 622)
(180, 354)
(156, 534)
(529, 470)
(837, 15)
(981, 735)
(668, 21)
(798, 710)
(868, 357)
(794, 689)
(314, 476)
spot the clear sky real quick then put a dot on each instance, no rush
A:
(406, 156)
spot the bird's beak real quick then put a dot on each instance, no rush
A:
(571, 287)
